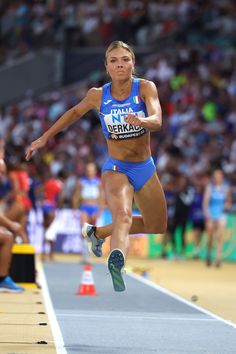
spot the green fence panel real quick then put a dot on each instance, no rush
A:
(155, 243)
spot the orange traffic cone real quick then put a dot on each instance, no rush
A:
(87, 283)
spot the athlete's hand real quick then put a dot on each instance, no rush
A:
(34, 146)
(134, 120)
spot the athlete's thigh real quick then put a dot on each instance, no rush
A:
(220, 227)
(5, 235)
(15, 211)
(209, 225)
(118, 191)
(151, 202)
(222, 223)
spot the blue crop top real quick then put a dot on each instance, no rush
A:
(113, 112)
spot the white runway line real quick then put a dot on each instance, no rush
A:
(124, 317)
(57, 336)
(179, 298)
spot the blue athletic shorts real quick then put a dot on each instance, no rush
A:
(138, 173)
(216, 216)
(89, 209)
(47, 207)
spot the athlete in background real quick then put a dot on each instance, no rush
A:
(51, 190)
(197, 214)
(216, 203)
(87, 196)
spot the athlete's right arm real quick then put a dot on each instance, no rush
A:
(89, 102)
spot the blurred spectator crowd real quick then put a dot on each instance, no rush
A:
(196, 81)
(29, 25)
(197, 90)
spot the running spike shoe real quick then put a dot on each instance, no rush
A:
(116, 262)
(89, 232)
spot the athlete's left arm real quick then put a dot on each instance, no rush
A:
(149, 94)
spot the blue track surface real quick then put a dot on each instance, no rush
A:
(140, 320)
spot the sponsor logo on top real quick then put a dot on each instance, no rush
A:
(108, 101)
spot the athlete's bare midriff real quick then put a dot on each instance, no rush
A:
(131, 150)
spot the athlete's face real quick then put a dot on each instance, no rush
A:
(218, 177)
(91, 170)
(119, 64)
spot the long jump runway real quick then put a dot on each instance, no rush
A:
(143, 319)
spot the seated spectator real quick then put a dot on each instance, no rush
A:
(19, 204)
(8, 229)
(13, 197)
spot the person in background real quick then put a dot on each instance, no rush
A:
(197, 214)
(216, 202)
(5, 187)
(232, 209)
(183, 202)
(51, 190)
(8, 229)
(87, 196)
(35, 182)
(19, 202)
(70, 180)
(169, 186)
(2, 148)
(10, 207)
